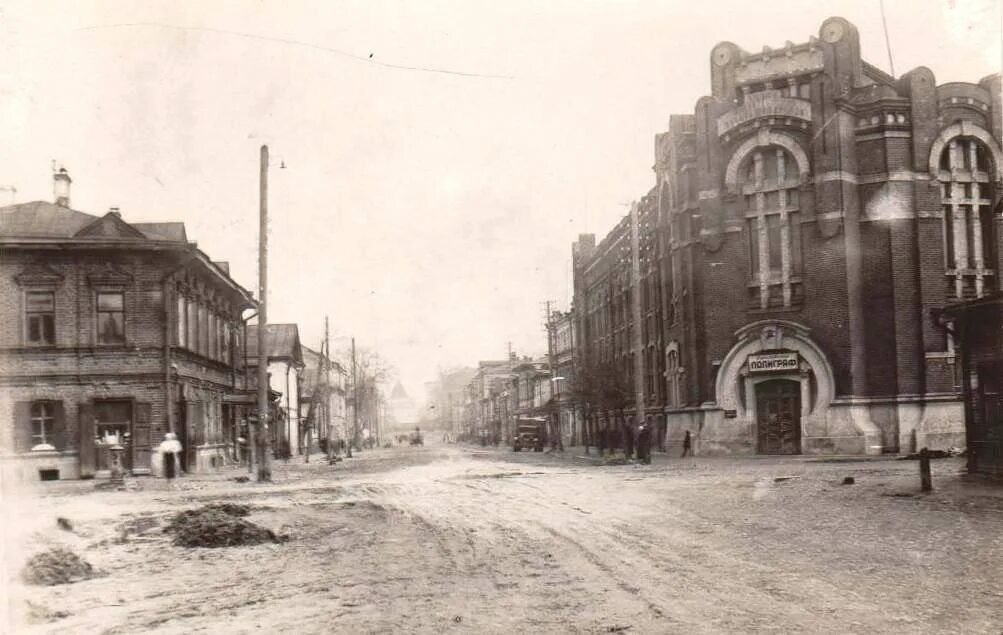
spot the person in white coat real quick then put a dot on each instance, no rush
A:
(169, 450)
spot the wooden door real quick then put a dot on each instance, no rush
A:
(778, 417)
(141, 441)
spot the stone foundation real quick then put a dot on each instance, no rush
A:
(23, 468)
(845, 427)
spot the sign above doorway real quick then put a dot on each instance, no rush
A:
(773, 363)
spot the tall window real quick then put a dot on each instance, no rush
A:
(182, 322)
(212, 336)
(40, 314)
(224, 339)
(769, 181)
(111, 317)
(192, 324)
(43, 423)
(966, 196)
(203, 316)
(672, 376)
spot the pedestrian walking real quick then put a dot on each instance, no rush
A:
(687, 445)
(627, 433)
(644, 443)
(170, 449)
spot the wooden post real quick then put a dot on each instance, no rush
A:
(262, 432)
(926, 483)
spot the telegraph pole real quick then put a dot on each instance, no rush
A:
(355, 402)
(326, 360)
(264, 462)
(555, 416)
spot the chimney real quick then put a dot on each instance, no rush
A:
(61, 187)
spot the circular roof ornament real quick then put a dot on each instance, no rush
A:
(833, 31)
(722, 54)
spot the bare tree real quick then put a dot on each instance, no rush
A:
(371, 372)
(600, 388)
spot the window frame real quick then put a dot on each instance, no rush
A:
(966, 170)
(772, 226)
(28, 314)
(45, 438)
(98, 312)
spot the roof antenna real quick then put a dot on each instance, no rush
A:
(888, 43)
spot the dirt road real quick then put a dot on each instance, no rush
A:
(448, 539)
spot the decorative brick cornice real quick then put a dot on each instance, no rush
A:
(38, 275)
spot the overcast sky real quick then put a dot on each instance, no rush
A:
(428, 213)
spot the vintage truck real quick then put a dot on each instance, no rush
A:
(529, 433)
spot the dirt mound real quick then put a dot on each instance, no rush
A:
(56, 566)
(218, 525)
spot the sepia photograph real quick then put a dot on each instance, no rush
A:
(474, 317)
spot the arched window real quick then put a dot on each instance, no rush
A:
(769, 181)
(673, 398)
(966, 195)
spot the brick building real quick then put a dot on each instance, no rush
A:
(112, 332)
(804, 221)
(562, 329)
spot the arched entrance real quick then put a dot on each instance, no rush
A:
(778, 417)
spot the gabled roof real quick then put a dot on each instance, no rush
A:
(110, 225)
(43, 222)
(398, 392)
(282, 342)
(41, 219)
(163, 231)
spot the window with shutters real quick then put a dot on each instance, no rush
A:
(40, 317)
(110, 317)
(43, 422)
(769, 184)
(969, 237)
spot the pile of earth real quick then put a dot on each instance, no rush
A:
(56, 566)
(218, 525)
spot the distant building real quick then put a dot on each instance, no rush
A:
(446, 399)
(285, 365)
(565, 402)
(323, 405)
(403, 416)
(804, 220)
(481, 414)
(112, 333)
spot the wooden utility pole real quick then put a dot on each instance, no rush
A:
(555, 415)
(355, 402)
(635, 304)
(326, 360)
(264, 462)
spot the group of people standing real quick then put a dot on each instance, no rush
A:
(636, 439)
